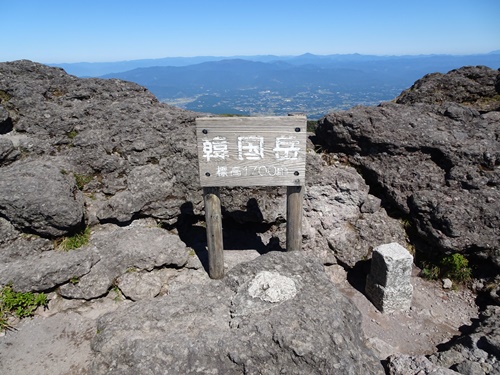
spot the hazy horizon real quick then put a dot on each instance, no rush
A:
(497, 51)
(57, 31)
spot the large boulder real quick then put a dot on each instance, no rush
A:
(104, 132)
(436, 163)
(276, 314)
(39, 197)
(342, 222)
(46, 270)
(123, 250)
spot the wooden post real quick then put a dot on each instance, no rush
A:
(294, 197)
(213, 218)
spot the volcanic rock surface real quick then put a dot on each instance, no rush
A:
(434, 156)
(107, 156)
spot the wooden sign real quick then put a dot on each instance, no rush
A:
(252, 151)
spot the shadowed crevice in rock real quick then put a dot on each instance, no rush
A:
(6, 126)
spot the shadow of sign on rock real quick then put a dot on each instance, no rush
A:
(242, 230)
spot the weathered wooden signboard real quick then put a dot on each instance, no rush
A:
(250, 151)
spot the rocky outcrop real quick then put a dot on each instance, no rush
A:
(100, 131)
(39, 197)
(90, 152)
(106, 154)
(276, 314)
(406, 364)
(477, 352)
(475, 87)
(474, 353)
(433, 155)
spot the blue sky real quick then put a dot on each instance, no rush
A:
(57, 31)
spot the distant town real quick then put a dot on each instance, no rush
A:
(277, 85)
(315, 103)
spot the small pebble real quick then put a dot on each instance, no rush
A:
(447, 283)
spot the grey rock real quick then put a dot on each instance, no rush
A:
(479, 347)
(402, 364)
(469, 368)
(147, 186)
(25, 246)
(433, 155)
(44, 271)
(104, 129)
(335, 222)
(7, 232)
(7, 151)
(4, 116)
(447, 284)
(124, 249)
(37, 197)
(141, 160)
(477, 87)
(276, 314)
(140, 285)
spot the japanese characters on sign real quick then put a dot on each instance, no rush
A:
(251, 151)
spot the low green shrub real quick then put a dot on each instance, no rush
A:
(20, 304)
(454, 267)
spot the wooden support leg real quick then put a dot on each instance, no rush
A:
(213, 218)
(294, 198)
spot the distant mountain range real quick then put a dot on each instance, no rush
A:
(254, 85)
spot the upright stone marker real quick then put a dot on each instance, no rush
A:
(250, 151)
(388, 285)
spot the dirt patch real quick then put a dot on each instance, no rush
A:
(435, 316)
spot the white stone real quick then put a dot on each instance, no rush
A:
(447, 283)
(272, 287)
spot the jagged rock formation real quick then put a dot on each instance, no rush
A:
(277, 314)
(108, 152)
(474, 353)
(434, 155)
(107, 155)
(477, 352)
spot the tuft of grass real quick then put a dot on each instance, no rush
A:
(72, 134)
(430, 271)
(118, 293)
(454, 266)
(4, 96)
(20, 304)
(407, 225)
(82, 180)
(74, 242)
